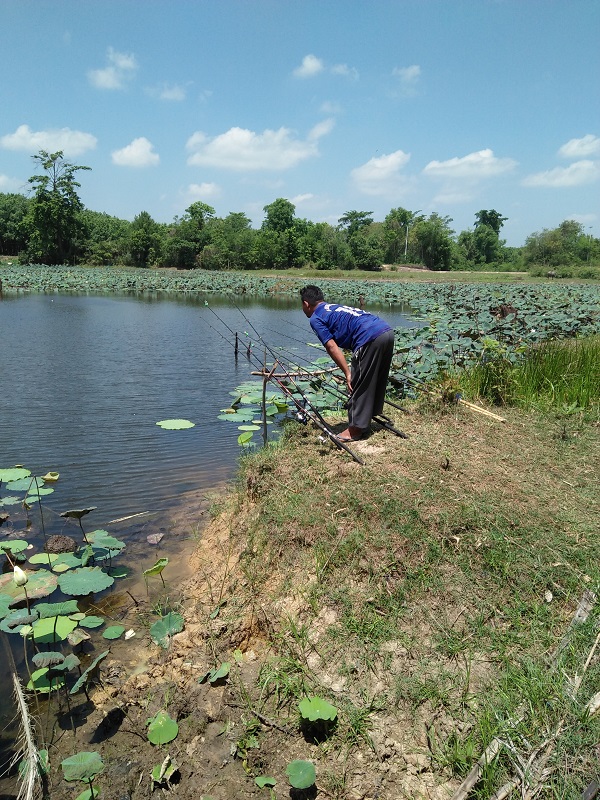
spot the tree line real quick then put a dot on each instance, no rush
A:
(52, 226)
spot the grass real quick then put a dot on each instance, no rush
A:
(561, 376)
(439, 588)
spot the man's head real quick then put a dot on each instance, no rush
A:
(311, 297)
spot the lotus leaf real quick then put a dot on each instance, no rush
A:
(102, 539)
(84, 580)
(9, 501)
(64, 608)
(48, 659)
(162, 773)
(53, 629)
(157, 568)
(39, 584)
(162, 728)
(78, 513)
(248, 427)
(14, 545)
(42, 682)
(14, 474)
(22, 485)
(14, 621)
(91, 622)
(86, 676)
(264, 780)
(5, 603)
(42, 491)
(44, 558)
(68, 560)
(244, 438)
(70, 663)
(162, 630)
(113, 632)
(176, 424)
(89, 794)
(219, 673)
(119, 572)
(301, 774)
(82, 767)
(315, 708)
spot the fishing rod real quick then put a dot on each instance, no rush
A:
(380, 419)
(304, 412)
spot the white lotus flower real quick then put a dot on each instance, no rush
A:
(19, 576)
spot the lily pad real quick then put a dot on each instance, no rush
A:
(13, 474)
(52, 629)
(51, 477)
(175, 424)
(162, 728)
(113, 632)
(301, 774)
(48, 659)
(22, 485)
(77, 637)
(82, 767)
(40, 583)
(315, 708)
(162, 630)
(44, 558)
(64, 608)
(84, 580)
(14, 545)
(91, 621)
(156, 568)
(86, 676)
(78, 513)
(41, 682)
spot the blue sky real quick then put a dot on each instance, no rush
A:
(449, 106)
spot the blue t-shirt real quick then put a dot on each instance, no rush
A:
(351, 328)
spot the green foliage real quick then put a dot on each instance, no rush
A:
(85, 580)
(162, 728)
(316, 708)
(82, 767)
(165, 628)
(301, 774)
(53, 219)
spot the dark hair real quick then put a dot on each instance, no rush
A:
(311, 294)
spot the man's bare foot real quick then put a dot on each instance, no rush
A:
(351, 434)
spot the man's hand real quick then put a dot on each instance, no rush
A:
(337, 355)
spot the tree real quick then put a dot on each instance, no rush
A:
(280, 234)
(353, 221)
(13, 234)
(279, 215)
(54, 220)
(434, 242)
(397, 225)
(106, 238)
(491, 218)
(145, 240)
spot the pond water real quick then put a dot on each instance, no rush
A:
(86, 378)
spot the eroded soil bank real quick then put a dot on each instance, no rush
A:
(428, 595)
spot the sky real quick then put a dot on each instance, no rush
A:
(446, 106)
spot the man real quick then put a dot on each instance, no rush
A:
(372, 343)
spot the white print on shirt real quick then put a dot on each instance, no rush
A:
(347, 310)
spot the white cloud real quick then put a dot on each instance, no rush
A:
(408, 78)
(243, 150)
(475, 166)
(345, 71)
(311, 66)
(301, 198)
(382, 175)
(120, 69)
(137, 154)
(329, 107)
(321, 129)
(581, 148)
(9, 184)
(203, 191)
(72, 143)
(577, 174)
(170, 92)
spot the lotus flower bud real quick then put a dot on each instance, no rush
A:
(19, 576)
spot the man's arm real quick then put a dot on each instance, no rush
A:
(337, 355)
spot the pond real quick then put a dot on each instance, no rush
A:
(86, 378)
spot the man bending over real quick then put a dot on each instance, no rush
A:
(371, 341)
